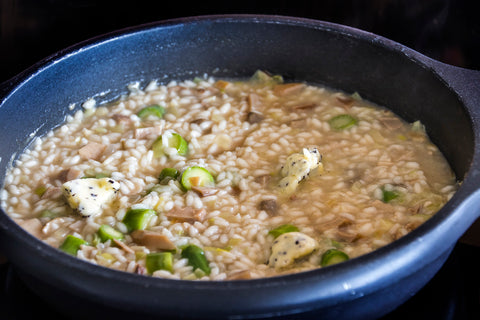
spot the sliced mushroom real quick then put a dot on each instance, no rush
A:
(112, 148)
(123, 246)
(287, 88)
(270, 206)
(198, 121)
(68, 174)
(347, 236)
(205, 191)
(92, 150)
(334, 223)
(152, 240)
(235, 191)
(391, 123)
(186, 214)
(263, 179)
(254, 117)
(143, 133)
(254, 101)
(121, 118)
(418, 208)
(383, 207)
(139, 269)
(344, 233)
(33, 226)
(52, 193)
(305, 106)
(345, 100)
(240, 275)
(298, 123)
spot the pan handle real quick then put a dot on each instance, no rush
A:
(466, 82)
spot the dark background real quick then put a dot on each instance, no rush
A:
(445, 30)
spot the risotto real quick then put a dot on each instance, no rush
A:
(221, 179)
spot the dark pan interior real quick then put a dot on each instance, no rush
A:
(339, 57)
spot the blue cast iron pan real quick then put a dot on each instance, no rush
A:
(444, 98)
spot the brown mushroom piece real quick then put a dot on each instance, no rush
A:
(52, 193)
(68, 174)
(152, 240)
(147, 132)
(344, 232)
(139, 269)
(254, 101)
(347, 236)
(240, 275)
(205, 191)
(123, 246)
(92, 150)
(121, 118)
(33, 226)
(345, 100)
(263, 180)
(334, 223)
(186, 214)
(254, 117)
(270, 206)
(305, 106)
(391, 123)
(198, 121)
(287, 88)
(297, 123)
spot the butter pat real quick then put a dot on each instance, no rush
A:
(290, 246)
(90, 196)
(298, 167)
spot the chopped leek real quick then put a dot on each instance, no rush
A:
(333, 256)
(72, 244)
(264, 77)
(282, 229)
(40, 191)
(172, 141)
(106, 232)
(196, 258)
(196, 177)
(168, 174)
(153, 110)
(159, 261)
(49, 214)
(389, 194)
(342, 121)
(138, 219)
